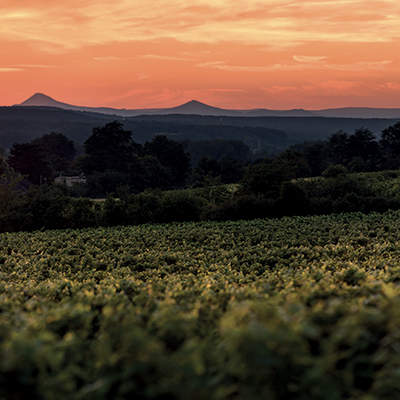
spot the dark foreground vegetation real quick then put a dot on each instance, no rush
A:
(48, 207)
(296, 308)
(300, 307)
(157, 182)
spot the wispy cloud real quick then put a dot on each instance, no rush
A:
(23, 67)
(309, 59)
(165, 57)
(357, 66)
(40, 66)
(10, 69)
(76, 23)
(360, 66)
(395, 86)
(226, 90)
(107, 58)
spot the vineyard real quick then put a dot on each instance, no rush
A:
(292, 308)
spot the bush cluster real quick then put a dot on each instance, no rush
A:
(51, 207)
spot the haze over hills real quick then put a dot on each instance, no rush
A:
(265, 134)
(195, 107)
(192, 107)
(263, 131)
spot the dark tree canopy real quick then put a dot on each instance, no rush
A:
(211, 172)
(338, 147)
(172, 156)
(28, 160)
(110, 148)
(217, 150)
(266, 177)
(43, 158)
(113, 160)
(390, 145)
(317, 156)
(390, 138)
(363, 146)
(57, 150)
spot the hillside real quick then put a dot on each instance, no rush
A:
(22, 124)
(271, 134)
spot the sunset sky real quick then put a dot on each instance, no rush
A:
(228, 53)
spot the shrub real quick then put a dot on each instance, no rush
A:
(333, 171)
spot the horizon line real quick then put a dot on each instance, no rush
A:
(293, 108)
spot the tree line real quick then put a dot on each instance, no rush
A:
(112, 160)
(125, 171)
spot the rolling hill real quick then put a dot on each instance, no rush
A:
(19, 124)
(197, 108)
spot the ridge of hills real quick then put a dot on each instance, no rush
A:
(195, 107)
(262, 134)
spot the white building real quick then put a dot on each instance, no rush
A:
(70, 181)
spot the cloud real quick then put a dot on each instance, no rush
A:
(280, 23)
(226, 90)
(40, 66)
(279, 89)
(107, 58)
(164, 57)
(392, 86)
(357, 66)
(10, 69)
(329, 87)
(309, 59)
(360, 66)
(23, 67)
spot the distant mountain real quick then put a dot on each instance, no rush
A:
(195, 107)
(192, 107)
(42, 100)
(359, 112)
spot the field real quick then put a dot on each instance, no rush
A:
(292, 308)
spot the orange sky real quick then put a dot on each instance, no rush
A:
(229, 53)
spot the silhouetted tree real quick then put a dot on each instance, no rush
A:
(295, 163)
(390, 145)
(207, 173)
(172, 156)
(28, 160)
(316, 154)
(338, 148)
(232, 170)
(363, 150)
(358, 152)
(266, 177)
(110, 148)
(57, 150)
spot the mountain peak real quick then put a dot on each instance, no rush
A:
(39, 99)
(195, 102)
(39, 94)
(195, 106)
